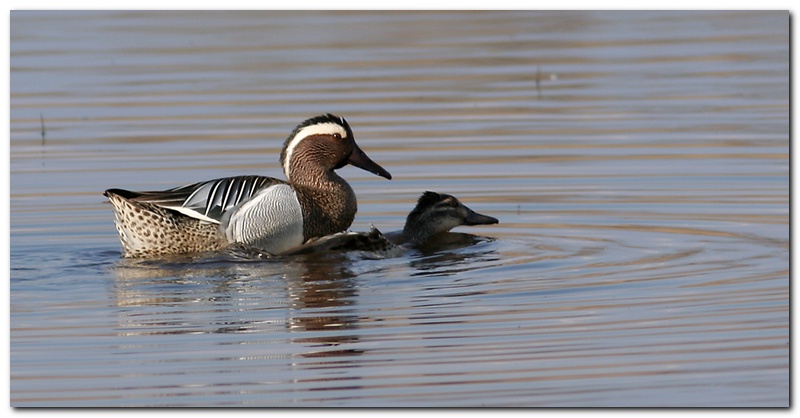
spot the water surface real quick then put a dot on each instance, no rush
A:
(638, 164)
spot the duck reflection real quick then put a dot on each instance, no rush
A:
(228, 294)
(322, 305)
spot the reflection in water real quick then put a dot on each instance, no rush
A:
(321, 300)
(441, 256)
(243, 298)
(318, 291)
(231, 283)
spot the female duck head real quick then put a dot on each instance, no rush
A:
(324, 143)
(436, 213)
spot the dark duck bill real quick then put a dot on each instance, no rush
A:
(360, 159)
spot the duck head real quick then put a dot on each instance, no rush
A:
(436, 213)
(324, 143)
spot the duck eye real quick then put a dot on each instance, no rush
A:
(337, 136)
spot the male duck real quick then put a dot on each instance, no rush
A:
(434, 214)
(262, 212)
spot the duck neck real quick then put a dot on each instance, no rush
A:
(329, 203)
(416, 234)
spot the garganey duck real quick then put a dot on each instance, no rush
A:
(435, 214)
(261, 212)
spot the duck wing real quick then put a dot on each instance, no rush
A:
(206, 200)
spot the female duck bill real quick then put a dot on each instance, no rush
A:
(475, 218)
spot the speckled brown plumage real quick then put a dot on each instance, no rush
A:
(147, 230)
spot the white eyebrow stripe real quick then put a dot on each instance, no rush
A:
(328, 128)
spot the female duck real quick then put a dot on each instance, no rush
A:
(434, 214)
(262, 212)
